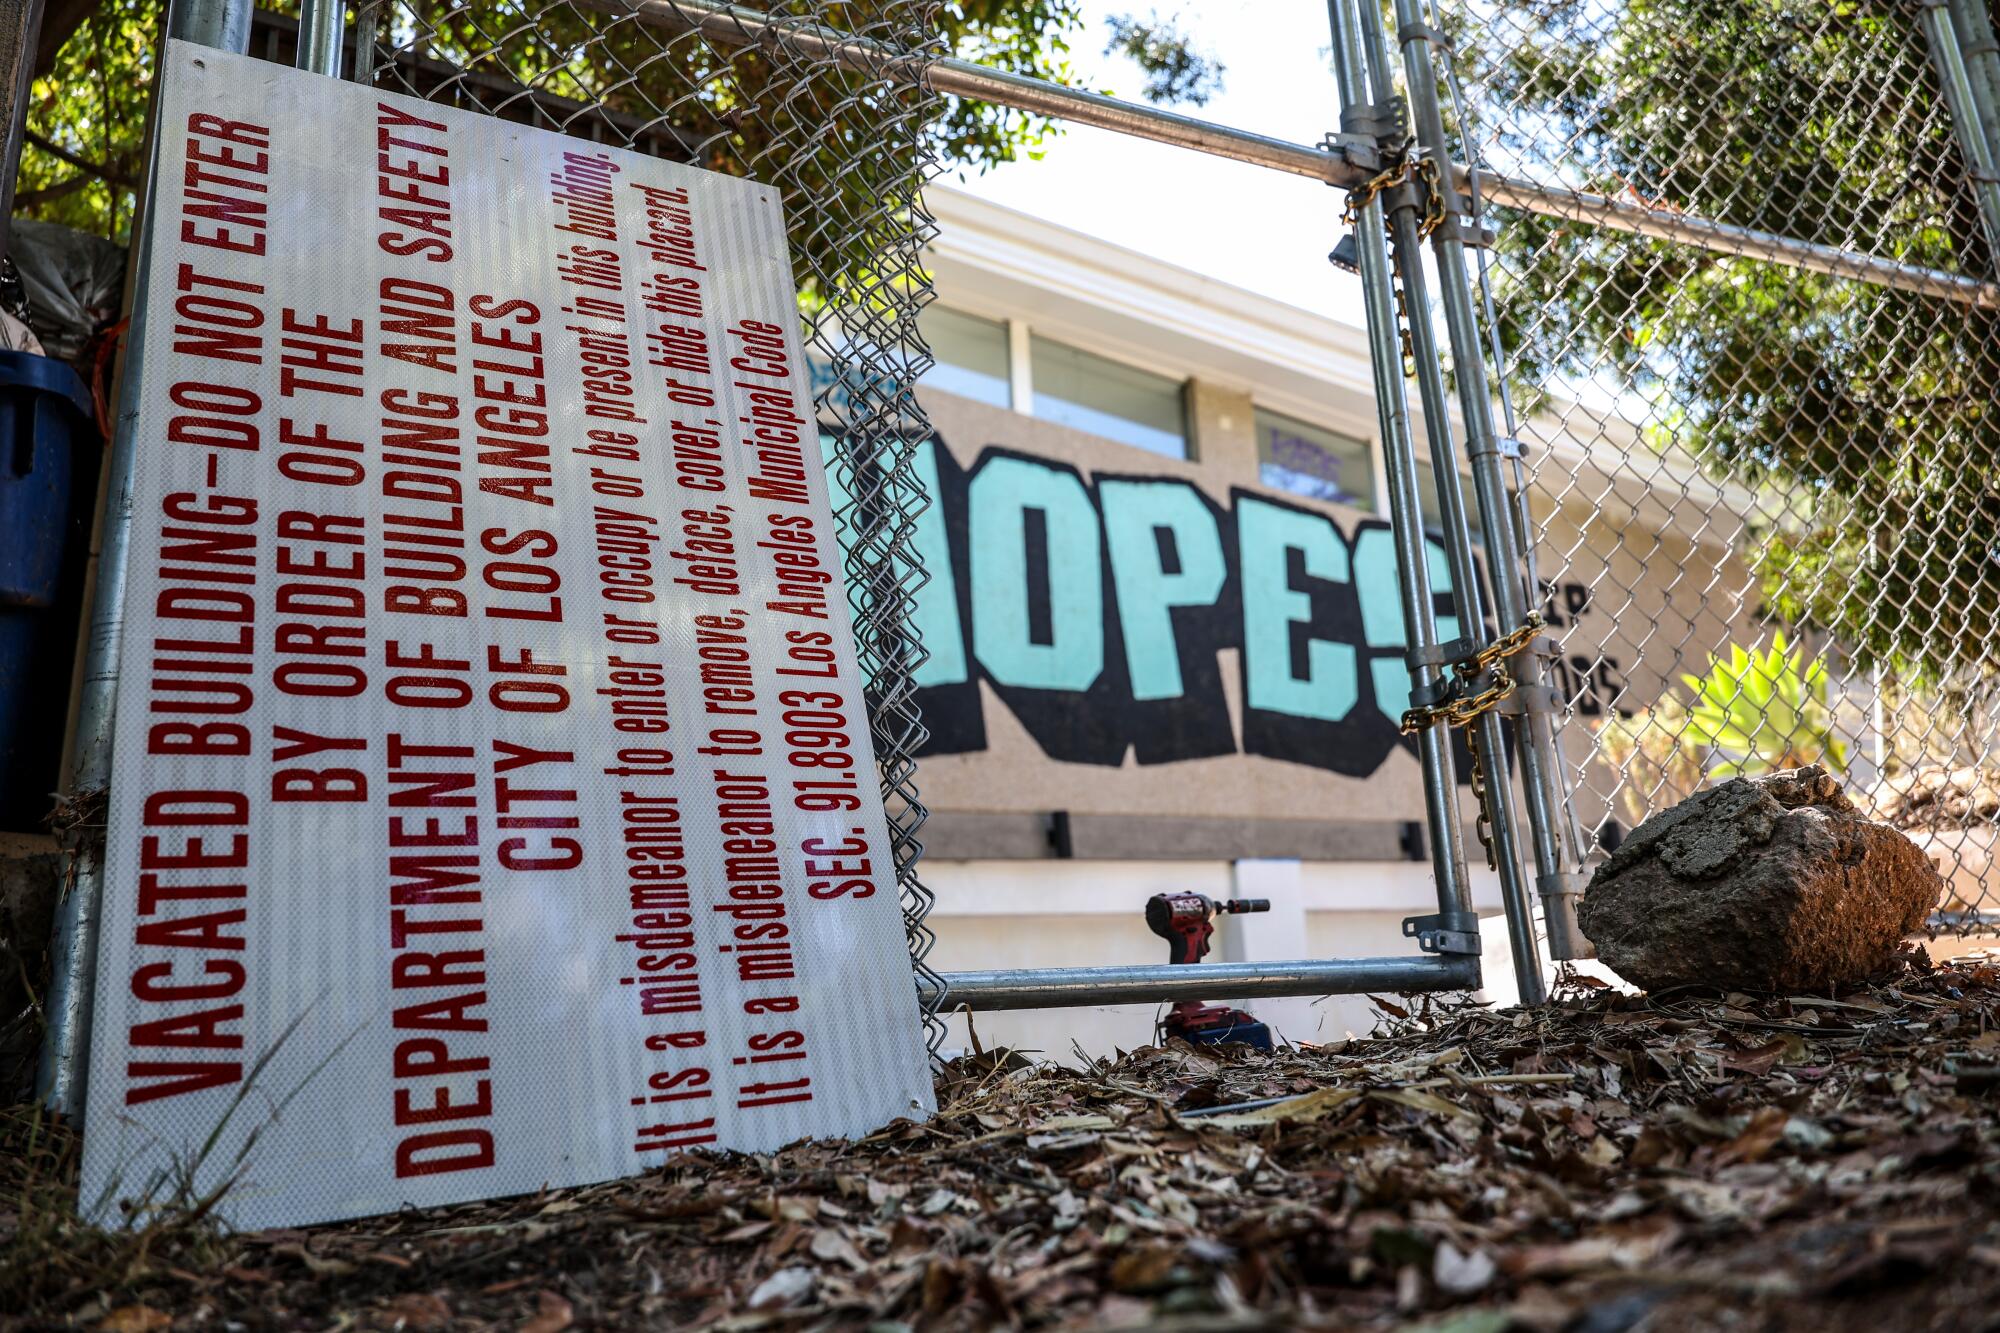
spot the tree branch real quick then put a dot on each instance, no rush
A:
(61, 153)
(22, 198)
(60, 20)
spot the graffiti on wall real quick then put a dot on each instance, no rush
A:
(1095, 607)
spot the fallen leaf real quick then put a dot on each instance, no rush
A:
(317, 1265)
(1419, 1100)
(831, 1245)
(1143, 1268)
(1312, 1106)
(1459, 1273)
(135, 1319)
(1757, 1061)
(552, 1314)
(417, 1310)
(1764, 1132)
(784, 1289)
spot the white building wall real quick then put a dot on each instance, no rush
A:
(1005, 914)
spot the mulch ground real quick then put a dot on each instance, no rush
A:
(1810, 1162)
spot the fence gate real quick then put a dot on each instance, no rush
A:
(1742, 285)
(1729, 266)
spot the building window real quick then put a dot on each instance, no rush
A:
(971, 355)
(1090, 393)
(1318, 464)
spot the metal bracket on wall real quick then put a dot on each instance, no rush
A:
(1061, 841)
(1362, 152)
(1424, 32)
(1443, 655)
(1568, 882)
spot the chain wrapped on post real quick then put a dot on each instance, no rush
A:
(1405, 169)
(1391, 145)
(1460, 708)
(1466, 699)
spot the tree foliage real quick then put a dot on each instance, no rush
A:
(848, 149)
(729, 110)
(1176, 69)
(1873, 416)
(87, 120)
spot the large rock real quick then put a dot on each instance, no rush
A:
(1770, 883)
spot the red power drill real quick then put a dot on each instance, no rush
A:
(1186, 921)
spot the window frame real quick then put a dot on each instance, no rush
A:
(1373, 500)
(1033, 391)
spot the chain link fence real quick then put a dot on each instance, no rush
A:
(1742, 290)
(752, 95)
(1764, 440)
(1742, 285)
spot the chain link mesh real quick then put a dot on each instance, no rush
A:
(1726, 447)
(1726, 444)
(850, 151)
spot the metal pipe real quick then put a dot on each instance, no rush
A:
(1539, 758)
(1399, 465)
(1981, 49)
(20, 31)
(224, 24)
(1488, 733)
(1725, 238)
(367, 24)
(733, 26)
(1963, 103)
(322, 29)
(1068, 987)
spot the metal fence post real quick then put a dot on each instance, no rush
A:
(1980, 50)
(1399, 463)
(322, 27)
(1965, 96)
(1488, 733)
(1548, 815)
(20, 28)
(73, 949)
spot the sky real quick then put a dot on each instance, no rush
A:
(1264, 230)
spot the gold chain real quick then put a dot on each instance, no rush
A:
(1506, 646)
(1364, 194)
(1481, 825)
(1464, 710)
(1461, 710)
(1427, 171)
(1358, 199)
(1422, 168)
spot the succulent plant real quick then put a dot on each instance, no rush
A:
(1762, 710)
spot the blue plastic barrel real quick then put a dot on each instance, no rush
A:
(48, 452)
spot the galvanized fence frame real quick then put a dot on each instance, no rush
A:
(1416, 211)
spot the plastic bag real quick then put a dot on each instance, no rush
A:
(75, 283)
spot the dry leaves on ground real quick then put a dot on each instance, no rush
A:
(1812, 1162)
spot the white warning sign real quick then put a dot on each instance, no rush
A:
(493, 803)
